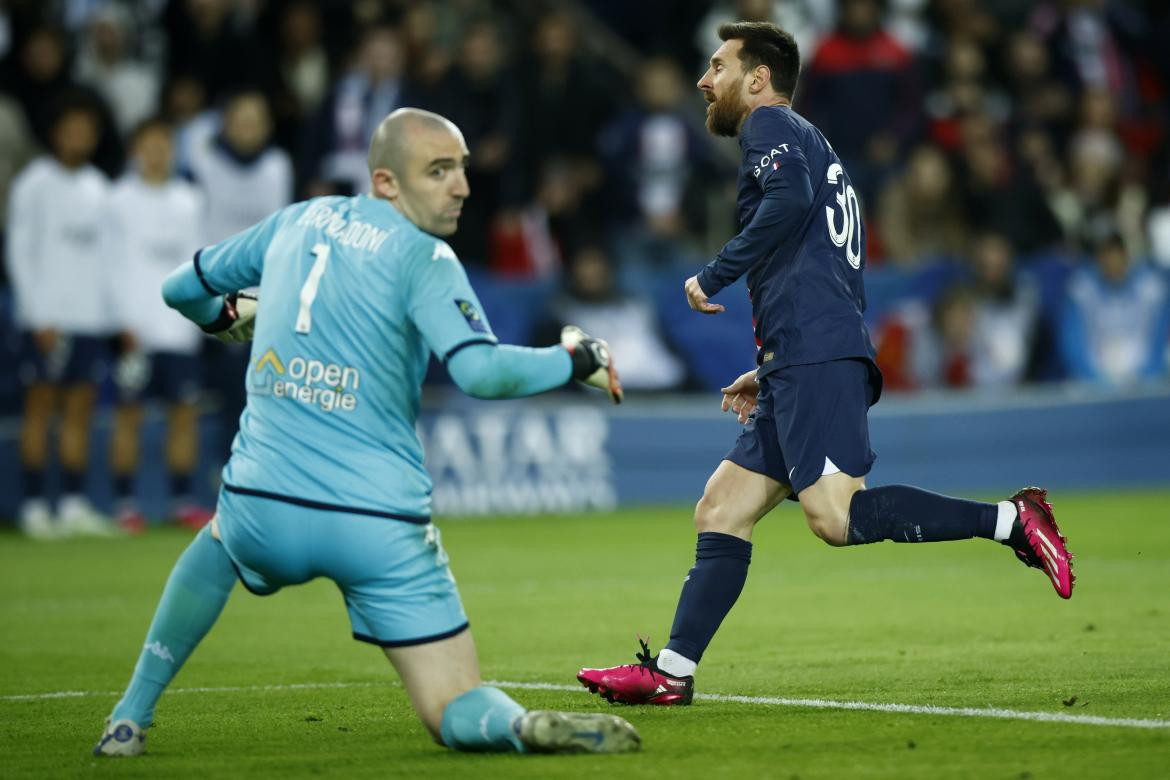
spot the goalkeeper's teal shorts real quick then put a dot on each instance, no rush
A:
(393, 574)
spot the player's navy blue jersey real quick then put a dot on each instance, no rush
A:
(802, 245)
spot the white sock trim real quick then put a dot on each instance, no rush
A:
(1003, 523)
(675, 665)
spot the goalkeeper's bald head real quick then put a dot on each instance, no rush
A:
(392, 141)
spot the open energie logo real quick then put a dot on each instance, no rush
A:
(328, 386)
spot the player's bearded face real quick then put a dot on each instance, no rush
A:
(726, 110)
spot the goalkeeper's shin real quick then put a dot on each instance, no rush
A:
(592, 362)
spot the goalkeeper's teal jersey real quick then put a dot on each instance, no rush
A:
(353, 300)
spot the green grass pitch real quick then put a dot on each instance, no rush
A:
(278, 689)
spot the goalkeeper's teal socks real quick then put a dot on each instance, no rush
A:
(198, 588)
(481, 720)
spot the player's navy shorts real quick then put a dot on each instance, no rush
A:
(810, 421)
(393, 574)
(173, 377)
(75, 360)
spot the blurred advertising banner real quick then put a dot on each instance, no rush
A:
(519, 460)
(543, 457)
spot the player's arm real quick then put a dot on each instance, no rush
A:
(21, 252)
(448, 314)
(787, 196)
(205, 289)
(495, 371)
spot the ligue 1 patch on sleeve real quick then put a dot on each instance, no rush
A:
(471, 314)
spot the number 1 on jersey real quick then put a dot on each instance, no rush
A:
(309, 291)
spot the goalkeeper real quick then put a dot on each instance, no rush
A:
(326, 475)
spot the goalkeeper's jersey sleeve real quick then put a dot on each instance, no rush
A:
(353, 300)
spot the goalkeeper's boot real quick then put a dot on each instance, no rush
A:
(121, 738)
(1037, 541)
(640, 683)
(545, 731)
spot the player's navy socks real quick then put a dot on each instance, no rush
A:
(198, 588)
(709, 591)
(909, 514)
(123, 486)
(72, 482)
(34, 483)
(482, 720)
(180, 486)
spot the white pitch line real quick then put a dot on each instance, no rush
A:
(910, 709)
(217, 689)
(773, 701)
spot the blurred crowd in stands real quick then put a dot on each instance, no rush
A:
(1012, 157)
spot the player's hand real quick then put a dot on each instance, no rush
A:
(237, 321)
(592, 363)
(740, 396)
(698, 299)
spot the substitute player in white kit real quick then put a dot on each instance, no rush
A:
(57, 249)
(157, 224)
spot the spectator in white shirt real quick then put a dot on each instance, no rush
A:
(130, 86)
(157, 224)
(243, 177)
(58, 261)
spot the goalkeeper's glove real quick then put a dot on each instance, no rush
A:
(237, 320)
(592, 363)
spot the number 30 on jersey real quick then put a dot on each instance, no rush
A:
(849, 236)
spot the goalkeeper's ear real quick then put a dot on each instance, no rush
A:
(592, 362)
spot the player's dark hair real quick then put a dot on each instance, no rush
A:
(151, 123)
(75, 101)
(766, 44)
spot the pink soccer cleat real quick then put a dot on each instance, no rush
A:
(640, 683)
(1037, 541)
(192, 516)
(130, 520)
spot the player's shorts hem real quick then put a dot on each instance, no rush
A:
(327, 507)
(240, 574)
(410, 642)
(856, 472)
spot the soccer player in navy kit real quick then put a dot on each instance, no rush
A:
(802, 248)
